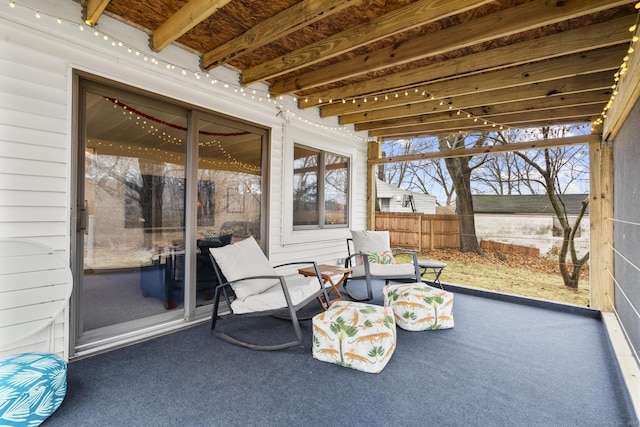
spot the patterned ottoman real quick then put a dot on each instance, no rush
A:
(356, 335)
(418, 306)
(32, 387)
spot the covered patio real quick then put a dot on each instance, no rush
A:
(342, 76)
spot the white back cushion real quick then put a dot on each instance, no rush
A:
(370, 241)
(245, 259)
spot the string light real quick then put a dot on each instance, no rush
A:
(262, 95)
(267, 97)
(442, 102)
(622, 71)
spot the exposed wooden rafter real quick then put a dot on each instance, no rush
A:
(93, 10)
(511, 21)
(281, 25)
(546, 143)
(190, 15)
(564, 115)
(406, 18)
(598, 98)
(494, 98)
(553, 46)
(570, 66)
(628, 93)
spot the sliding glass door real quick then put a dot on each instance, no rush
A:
(229, 191)
(148, 212)
(132, 208)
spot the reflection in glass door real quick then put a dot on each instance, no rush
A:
(148, 211)
(229, 192)
(133, 223)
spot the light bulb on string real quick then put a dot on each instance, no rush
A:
(151, 58)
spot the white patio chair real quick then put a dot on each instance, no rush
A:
(250, 286)
(371, 259)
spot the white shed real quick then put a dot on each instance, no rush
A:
(395, 199)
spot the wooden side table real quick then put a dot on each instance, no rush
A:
(328, 272)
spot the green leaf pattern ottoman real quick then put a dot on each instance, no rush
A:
(418, 306)
(355, 335)
(32, 387)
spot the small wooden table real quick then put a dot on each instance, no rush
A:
(328, 272)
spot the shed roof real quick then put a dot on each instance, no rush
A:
(526, 203)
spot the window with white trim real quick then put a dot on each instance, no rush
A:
(320, 189)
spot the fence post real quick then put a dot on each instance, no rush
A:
(433, 234)
(420, 234)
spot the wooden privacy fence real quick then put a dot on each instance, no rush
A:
(418, 231)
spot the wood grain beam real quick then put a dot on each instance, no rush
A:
(577, 64)
(284, 23)
(549, 89)
(508, 22)
(597, 36)
(189, 15)
(531, 145)
(599, 98)
(582, 113)
(403, 19)
(93, 10)
(437, 131)
(628, 94)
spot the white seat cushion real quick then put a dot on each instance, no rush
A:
(245, 259)
(385, 270)
(299, 288)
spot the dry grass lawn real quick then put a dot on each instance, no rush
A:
(510, 273)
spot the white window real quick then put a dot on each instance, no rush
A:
(320, 189)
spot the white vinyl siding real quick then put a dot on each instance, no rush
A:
(33, 167)
(37, 61)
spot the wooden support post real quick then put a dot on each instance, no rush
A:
(374, 150)
(600, 215)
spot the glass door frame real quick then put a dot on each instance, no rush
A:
(191, 216)
(81, 82)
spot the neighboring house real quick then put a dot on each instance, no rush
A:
(395, 199)
(528, 220)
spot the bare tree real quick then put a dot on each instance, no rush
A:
(425, 176)
(557, 169)
(396, 173)
(460, 169)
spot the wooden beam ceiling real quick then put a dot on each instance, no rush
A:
(411, 67)
(535, 72)
(274, 28)
(580, 114)
(574, 100)
(533, 91)
(553, 46)
(508, 22)
(406, 18)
